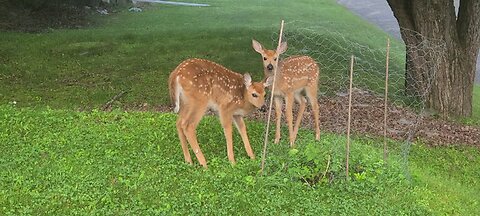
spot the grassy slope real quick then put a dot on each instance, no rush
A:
(63, 162)
(446, 178)
(137, 51)
(475, 120)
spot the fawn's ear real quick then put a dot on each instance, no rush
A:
(268, 82)
(282, 48)
(257, 46)
(247, 80)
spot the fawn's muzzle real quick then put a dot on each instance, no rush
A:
(263, 108)
(270, 67)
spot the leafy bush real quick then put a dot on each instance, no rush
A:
(323, 162)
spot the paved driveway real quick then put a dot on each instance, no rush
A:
(379, 13)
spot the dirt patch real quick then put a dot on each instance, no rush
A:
(402, 122)
(367, 118)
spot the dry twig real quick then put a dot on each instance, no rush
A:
(107, 105)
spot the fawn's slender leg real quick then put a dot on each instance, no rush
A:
(278, 115)
(289, 100)
(190, 126)
(301, 100)
(226, 121)
(182, 137)
(242, 129)
(312, 97)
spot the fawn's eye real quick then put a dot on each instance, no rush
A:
(275, 59)
(254, 95)
(264, 58)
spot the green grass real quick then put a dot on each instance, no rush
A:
(476, 105)
(66, 162)
(475, 118)
(446, 178)
(137, 51)
(57, 161)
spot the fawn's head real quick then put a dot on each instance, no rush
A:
(269, 57)
(255, 92)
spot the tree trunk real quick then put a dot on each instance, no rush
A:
(441, 52)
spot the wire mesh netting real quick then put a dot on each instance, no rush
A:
(332, 51)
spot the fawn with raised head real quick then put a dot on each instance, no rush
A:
(296, 77)
(197, 85)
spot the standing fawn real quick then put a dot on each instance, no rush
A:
(198, 84)
(296, 76)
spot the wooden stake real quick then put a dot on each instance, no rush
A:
(349, 116)
(264, 153)
(385, 147)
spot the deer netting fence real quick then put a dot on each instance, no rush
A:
(332, 50)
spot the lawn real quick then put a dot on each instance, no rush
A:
(475, 120)
(135, 52)
(56, 160)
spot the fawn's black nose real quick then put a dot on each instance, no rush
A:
(270, 67)
(263, 108)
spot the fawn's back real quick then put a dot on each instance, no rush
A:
(211, 83)
(297, 72)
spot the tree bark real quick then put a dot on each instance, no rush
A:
(441, 52)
